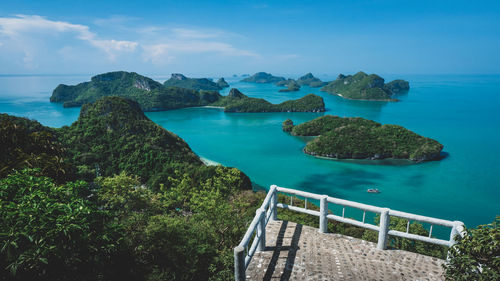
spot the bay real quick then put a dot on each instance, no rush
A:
(460, 111)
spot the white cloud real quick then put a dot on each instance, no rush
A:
(33, 38)
(162, 52)
(15, 27)
(29, 61)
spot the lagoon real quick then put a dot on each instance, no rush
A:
(460, 111)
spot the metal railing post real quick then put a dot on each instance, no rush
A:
(274, 203)
(323, 212)
(261, 230)
(239, 264)
(383, 229)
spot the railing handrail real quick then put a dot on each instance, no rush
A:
(369, 208)
(268, 210)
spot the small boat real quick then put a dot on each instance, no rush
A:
(373, 190)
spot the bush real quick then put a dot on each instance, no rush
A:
(49, 231)
(477, 255)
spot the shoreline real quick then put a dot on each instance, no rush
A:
(385, 100)
(368, 161)
(210, 106)
(209, 162)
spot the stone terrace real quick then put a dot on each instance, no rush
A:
(297, 252)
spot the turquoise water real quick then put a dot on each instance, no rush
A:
(461, 112)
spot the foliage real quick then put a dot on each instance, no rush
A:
(365, 87)
(178, 92)
(310, 80)
(238, 102)
(291, 85)
(406, 244)
(181, 81)
(222, 83)
(263, 77)
(113, 135)
(151, 95)
(477, 255)
(27, 143)
(287, 125)
(360, 138)
(398, 86)
(122, 229)
(365, 234)
(50, 232)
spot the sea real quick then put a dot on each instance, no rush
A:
(460, 111)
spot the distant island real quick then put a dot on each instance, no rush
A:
(310, 81)
(290, 84)
(263, 77)
(362, 86)
(236, 101)
(359, 138)
(222, 83)
(181, 81)
(153, 96)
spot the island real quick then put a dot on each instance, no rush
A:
(236, 101)
(292, 85)
(310, 81)
(359, 138)
(263, 77)
(362, 86)
(222, 83)
(153, 96)
(181, 81)
(93, 199)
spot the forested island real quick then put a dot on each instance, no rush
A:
(236, 101)
(115, 197)
(310, 81)
(362, 86)
(359, 138)
(290, 84)
(153, 96)
(263, 77)
(181, 81)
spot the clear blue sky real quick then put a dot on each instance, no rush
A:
(211, 38)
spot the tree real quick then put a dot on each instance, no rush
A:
(477, 255)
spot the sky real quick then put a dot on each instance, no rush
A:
(220, 38)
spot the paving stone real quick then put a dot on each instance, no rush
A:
(297, 252)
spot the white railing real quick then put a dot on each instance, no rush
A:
(242, 253)
(268, 210)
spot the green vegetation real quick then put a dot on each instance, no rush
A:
(358, 138)
(362, 86)
(291, 85)
(310, 81)
(151, 95)
(116, 197)
(238, 102)
(154, 211)
(113, 135)
(26, 143)
(477, 255)
(366, 234)
(263, 77)
(222, 83)
(287, 125)
(398, 86)
(181, 81)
